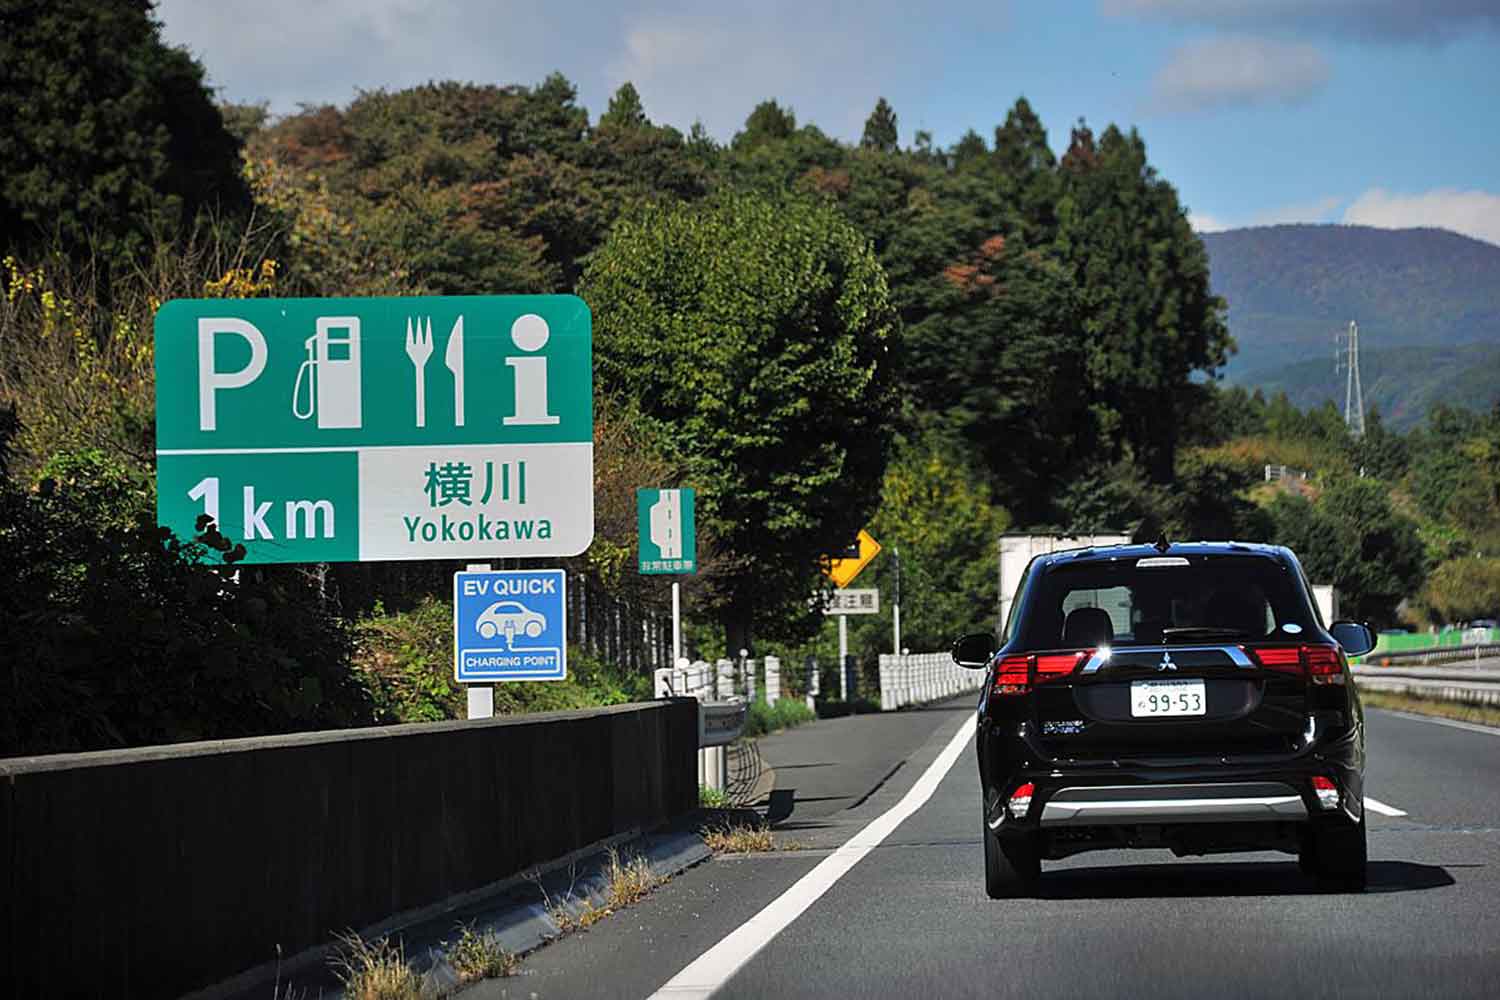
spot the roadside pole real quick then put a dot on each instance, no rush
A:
(481, 697)
(676, 622)
(896, 605)
(843, 657)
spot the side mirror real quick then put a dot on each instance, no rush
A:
(974, 650)
(1357, 639)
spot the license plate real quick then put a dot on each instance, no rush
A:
(1160, 699)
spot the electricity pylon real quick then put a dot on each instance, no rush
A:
(1354, 396)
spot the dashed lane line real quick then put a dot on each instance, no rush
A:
(1375, 805)
(714, 967)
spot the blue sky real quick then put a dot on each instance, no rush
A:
(1382, 112)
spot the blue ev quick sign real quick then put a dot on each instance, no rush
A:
(510, 625)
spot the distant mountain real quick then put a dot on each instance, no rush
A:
(1404, 382)
(1292, 289)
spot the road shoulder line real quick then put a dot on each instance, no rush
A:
(719, 963)
(1472, 727)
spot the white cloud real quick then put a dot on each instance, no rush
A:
(1317, 210)
(1204, 223)
(1238, 72)
(1399, 21)
(688, 59)
(1473, 213)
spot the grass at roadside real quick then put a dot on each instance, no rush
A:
(738, 838)
(378, 970)
(1486, 715)
(478, 955)
(626, 881)
(762, 719)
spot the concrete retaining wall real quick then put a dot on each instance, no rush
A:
(154, 871)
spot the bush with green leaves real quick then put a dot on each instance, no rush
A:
(761, 718)
(116, 633)
(406, 659)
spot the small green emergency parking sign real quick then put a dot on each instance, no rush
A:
(667, 540)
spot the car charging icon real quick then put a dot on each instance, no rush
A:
(510, 618)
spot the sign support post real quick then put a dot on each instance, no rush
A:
(677, 650)
(843, 657)
(481, 697)
(896, 606)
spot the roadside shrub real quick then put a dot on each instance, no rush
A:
(115, 633)
(406, 659)
(761, 718)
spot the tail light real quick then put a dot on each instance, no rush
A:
(1016, 674)
(1013, 675)
(1020, 800)
(1327, 792)
(1319, 664)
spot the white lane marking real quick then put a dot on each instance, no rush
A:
(1470, 727)
(1375, 805)
(714, 967)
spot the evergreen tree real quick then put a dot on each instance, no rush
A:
(110, 134)
(1149, 317)
(625, 109)
(769, 122)
(880, 129)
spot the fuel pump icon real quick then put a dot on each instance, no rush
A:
(332, 371)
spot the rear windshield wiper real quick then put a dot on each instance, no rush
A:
(1203, 632)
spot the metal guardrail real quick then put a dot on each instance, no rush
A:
(1434, 654)
(1465, 689)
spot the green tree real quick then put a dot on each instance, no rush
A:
(754, 334)
(938, 515)
(1353, 538)
(768, 122)
(110, 137)
(880, 129)
(1149, 317)
(1027, 174)
(625, 109)
(1464, 589)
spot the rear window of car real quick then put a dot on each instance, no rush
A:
(1209, 599)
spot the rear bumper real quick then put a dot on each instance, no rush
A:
(1226, 802)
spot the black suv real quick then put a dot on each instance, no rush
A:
(1185, 696)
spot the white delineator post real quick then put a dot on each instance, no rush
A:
(481, 697)
(773, 680)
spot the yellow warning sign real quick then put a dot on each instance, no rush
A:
(843, 571)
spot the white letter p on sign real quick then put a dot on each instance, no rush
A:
(209, 381)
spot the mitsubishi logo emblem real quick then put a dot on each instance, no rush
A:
(1166, 662)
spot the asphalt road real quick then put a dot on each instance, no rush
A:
(910, 917)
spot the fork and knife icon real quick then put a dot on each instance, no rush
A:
(419, 349)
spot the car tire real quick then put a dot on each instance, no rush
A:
(487, 629)
(1337, 856)
(533, 629)
(1011, 867)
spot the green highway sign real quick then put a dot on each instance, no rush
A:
(668, 543)
(329, 430)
